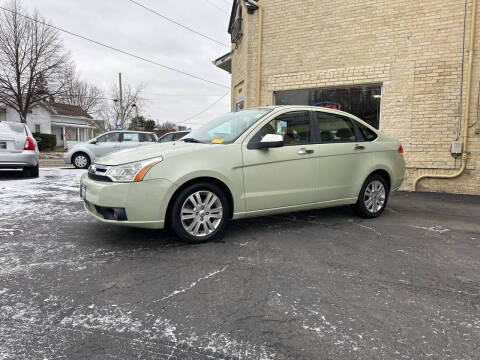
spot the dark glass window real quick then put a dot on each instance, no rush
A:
(334, 128)
(362, 101)
(368, 134)
(293, 126)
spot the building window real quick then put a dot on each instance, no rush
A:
(239, 104)
(37, 128)
(363, 101)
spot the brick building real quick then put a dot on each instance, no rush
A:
(400, 65)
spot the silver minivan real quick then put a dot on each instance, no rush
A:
(83, 154)
(18, 148)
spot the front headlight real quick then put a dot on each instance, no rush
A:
(132, 172)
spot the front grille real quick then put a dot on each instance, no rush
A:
(96, 172)
(99, 177)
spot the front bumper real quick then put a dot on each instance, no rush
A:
(145, 202)
(18, 160)
(67, 158)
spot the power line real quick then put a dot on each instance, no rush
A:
(116, 49)
(177, 23)
(186, 121)
(217, 7)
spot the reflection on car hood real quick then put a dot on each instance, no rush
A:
(150, 151)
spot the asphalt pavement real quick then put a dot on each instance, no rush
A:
(321, 284)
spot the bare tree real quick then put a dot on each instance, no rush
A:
(32, 57)
(80, 93)
(166, 125)
(111, 113)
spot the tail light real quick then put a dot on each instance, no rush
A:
(400, 149)
(29, 144)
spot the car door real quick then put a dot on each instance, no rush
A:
(283, 176)
(106, 144)
(130, 140)
(340, 151)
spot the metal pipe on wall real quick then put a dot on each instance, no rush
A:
(259, 51)
(466, 118)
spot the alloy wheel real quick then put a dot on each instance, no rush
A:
(81, 161)
(201, 213)
(374, 197)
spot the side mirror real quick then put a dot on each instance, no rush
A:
(93, 141)
(267, 142)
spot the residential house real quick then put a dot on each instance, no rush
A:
(70, 123)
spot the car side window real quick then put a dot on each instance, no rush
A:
(130, 137)
(368, 134)
(146, 137)
(293, 126)
(111, 137)
(167, 138)
(334, 128)
(178, 136)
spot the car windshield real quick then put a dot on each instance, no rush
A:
(9, 127)
(227, 128)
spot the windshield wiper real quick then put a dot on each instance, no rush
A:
(191, 140)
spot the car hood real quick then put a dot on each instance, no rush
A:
(140, 153)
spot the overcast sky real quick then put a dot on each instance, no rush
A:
(122, 24)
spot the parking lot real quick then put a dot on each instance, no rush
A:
(314, 285)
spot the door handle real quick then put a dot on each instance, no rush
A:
(304, 151)
(359, 147)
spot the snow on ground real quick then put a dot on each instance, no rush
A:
(27, 198)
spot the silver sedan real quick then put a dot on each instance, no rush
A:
(18, 148)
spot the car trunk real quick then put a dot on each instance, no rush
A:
(12, 140)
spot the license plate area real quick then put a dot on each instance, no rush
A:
(3, 144)
(83, 192)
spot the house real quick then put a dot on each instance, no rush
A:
(401, 66)
(70, 123)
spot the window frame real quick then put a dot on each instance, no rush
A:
(356, 131)
(310, 129)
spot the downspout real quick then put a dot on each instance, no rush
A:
(259, 50)
(466, 118)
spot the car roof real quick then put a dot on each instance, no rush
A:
(129, 131)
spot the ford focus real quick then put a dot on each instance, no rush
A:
(249, 163)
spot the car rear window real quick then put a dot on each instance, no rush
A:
(9, 127)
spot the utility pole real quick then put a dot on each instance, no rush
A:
(121, 99)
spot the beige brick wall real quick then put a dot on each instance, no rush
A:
(412, 48)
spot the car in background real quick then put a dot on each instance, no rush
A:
(18, 148)
(83, 154)
(173, 136)
(253, 162)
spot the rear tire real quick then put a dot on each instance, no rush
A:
(31, 171)
(373, 197)
(200, 213)
(81, 161)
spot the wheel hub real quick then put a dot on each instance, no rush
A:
(201, 213)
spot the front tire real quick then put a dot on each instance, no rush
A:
(81, 161)
(373, 197)
(200, 213)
